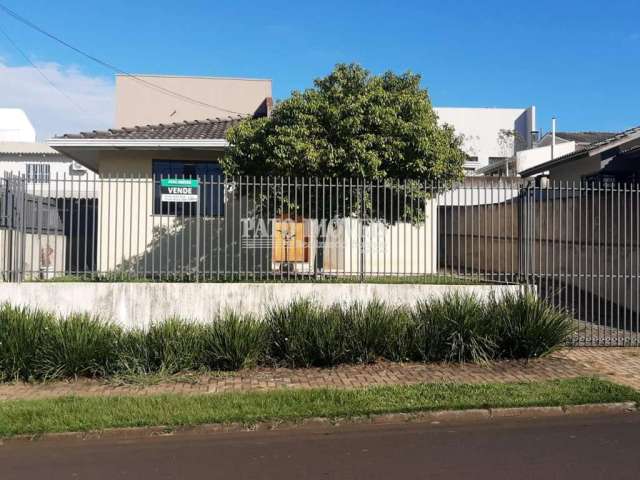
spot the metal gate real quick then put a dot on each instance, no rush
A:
(582, 253)
(577, 243)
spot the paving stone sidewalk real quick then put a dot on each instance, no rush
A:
(620, 365)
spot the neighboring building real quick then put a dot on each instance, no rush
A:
(616, 158)
(581, 139)
(145, 99)
(40, 164)
(490, 135)
(15, 126)
(566, 143)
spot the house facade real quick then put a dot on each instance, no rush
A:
(613, 159)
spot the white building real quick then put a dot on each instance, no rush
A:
(43, 167)
(15, 126)
(565, 144)
(490, 135)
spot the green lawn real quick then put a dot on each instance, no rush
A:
(86, 414)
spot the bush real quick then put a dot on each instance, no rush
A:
(454, 328)
(527, 327)
(22, 333)
(79, 345)
(173, 345)
(302, 334)
(234, 342)
(375, 330)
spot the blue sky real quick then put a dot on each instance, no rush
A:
(579, 60)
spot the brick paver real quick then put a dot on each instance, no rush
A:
(620, 365)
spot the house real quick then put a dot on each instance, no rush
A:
(614, 158)
(164, 206)
(565, 143)
(490, 135)
(40, 164)
(165, 127)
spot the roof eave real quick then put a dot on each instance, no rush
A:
(106, 143)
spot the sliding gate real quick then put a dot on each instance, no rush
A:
(577, 243)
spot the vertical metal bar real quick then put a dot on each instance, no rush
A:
(618, 245)
(130, 209)
(221, 222)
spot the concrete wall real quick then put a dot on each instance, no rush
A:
(139, 304)
(535, 156)
(137, 104)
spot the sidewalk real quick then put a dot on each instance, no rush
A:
(620, 365)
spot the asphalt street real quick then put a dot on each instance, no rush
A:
(577, 447)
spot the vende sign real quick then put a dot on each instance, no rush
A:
(178, 190)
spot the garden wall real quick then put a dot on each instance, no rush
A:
(138, 304)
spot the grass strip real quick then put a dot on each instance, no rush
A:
(71, 414)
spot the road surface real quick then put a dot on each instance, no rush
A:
(578, 447)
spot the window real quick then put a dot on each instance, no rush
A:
(210, 188)
(38, 172)
(472, 159)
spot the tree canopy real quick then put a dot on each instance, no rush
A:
(350, 124)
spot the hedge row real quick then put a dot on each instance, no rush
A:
(38, 345)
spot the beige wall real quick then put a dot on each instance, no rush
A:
(137, 104)
(402, 248)
(574, 171)
(127, 223)
(129, 240)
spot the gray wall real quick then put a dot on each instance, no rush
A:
(138, 304)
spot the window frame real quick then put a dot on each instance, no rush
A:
(210, 203)
(41, 172)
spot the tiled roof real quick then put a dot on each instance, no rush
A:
(627, 135)
(212, 128)
(585, 137)
(632, 132)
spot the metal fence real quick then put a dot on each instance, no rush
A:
(576, 243)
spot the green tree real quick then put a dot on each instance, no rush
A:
(381, 130)
(350, 124)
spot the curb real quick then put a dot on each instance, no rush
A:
(434, 417)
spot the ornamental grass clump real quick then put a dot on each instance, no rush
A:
(454, 328)
(22, 331)
(527, 326)
(36, 345)
(374, 330)
(79, 345)
(233, 342)
(173, 345)
(304, 334)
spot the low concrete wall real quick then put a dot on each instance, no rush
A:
(138, 304)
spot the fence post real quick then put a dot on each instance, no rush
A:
(21, 187)
(362, 194)
(200, 191)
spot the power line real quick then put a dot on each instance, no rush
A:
(42, 74)
(110, 66)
